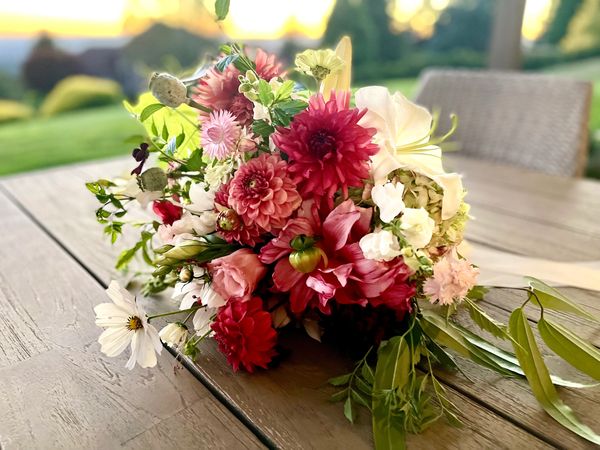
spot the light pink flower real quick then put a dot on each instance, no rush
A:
(235, 276)
(220, 134)
(452, 279)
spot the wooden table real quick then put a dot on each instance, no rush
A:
(58, 391)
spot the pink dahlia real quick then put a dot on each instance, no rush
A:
(263, 193)
(267, 65)
(245, 334)
(230, 225)
(220, 134)
(327, 148)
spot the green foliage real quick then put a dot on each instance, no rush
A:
(80, 92)
(583, 31)
(486, 322)
(10, 87)
(532, 363)
(12, 111)
(112, 207)
(144, 244)
(557, 28)
(548, 297)
(570, 347)
(221, 9)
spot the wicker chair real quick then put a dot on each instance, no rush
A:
(528, 120)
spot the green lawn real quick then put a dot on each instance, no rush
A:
(71, 137)
(98, 133)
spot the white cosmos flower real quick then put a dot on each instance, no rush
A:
(417, 227)
(388, 198)
(188, 227)
(126, 324)
(202, 320)
(174, 334)
(401, 123)
(195, 291)
(201, 199)
(381, 246)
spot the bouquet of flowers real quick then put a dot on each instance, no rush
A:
(277, 206)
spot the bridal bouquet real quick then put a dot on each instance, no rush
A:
(278, 206)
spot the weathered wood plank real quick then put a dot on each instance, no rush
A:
(57, 390)
(288, 403)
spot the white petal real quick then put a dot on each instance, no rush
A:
(114, 340)
(146, 354)
(110, 315)
(134, 351)
(451, 183)
(202, 320)
(121, 297)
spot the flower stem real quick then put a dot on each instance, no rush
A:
(170, 313)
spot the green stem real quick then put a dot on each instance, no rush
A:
(170, 313)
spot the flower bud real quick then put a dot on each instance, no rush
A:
(183, 251)
(228, 220)
(185, 275)
(251, 76)
(153, 179)
(174, 334)
(168, 90)
(307, 260)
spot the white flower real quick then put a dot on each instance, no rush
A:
(126, 324)
(201, 199)
(197, 290)
(219, 172)
(261, 112)
(131, 188)
(202, 320)
(174, 334)
(380, 246)
(188, 227)
(400, 125)
(417, 227)
(388, 198)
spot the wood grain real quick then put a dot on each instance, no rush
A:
(288, 404)
(57, 390)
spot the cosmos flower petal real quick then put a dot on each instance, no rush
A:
(113, 341)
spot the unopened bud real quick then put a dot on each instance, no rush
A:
(168, 90)
(183, 251)
(228, 220)
(185, 275)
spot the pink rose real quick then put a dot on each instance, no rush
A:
(236, 275)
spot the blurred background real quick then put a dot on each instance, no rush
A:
(66, 66)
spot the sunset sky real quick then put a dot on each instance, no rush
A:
(266, 19)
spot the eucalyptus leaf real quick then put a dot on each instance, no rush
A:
(530, 359)
(570, 347)
(550, 298)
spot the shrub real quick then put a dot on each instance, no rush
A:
(79, 92)
(11, 110)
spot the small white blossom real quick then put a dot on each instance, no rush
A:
(126, 324)
(388, 198)
(417, 227)
(174, 334)
(219, 172)
(188, 227)
(261, 112)
(201, 199)
(131, 188)
(380, 246)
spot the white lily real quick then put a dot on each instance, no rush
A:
(403, 132)
(126, 324)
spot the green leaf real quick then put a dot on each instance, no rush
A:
(165, 132)
(359, 399)
(222, 64)
(285, 90)
(149, 110)
(262, 128)
(550, 298)
(339, 396)
(367, 373)
(348, 411)
(342, 380)
(477, 293)
(537, 374)
(485, 322)
(570, 347)
(392, 371)
(221, 9)
(265, 93)
(127, 255)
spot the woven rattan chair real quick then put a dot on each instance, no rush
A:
(528, 120)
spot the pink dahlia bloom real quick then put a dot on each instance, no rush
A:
(327, 148)
(220, 134)
(262, 192)
(230, 225)
(219, 90)
(452, 279)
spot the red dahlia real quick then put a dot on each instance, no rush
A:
(262, 192)
(245, 334)
(326, 147)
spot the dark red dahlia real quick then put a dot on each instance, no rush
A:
(326, 147)
(245, 334)
(167, 211)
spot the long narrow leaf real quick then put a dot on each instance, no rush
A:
(570, 347)
(550, 298)
(539, 380)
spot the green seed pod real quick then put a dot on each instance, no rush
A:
(153, 179)
(168, 90)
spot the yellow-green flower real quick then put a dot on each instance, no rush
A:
(318, 63)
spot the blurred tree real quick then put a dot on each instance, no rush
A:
(368, 24)
(563, 14)
(46, 65)
(10, 87)
(464, 25)
(584, 30)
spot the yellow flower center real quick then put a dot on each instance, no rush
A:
(134, 323)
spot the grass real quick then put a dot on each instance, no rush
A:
(100, 132)
(70, 137)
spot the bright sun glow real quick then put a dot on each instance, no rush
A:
(537, 13)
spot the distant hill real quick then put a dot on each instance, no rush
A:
(160, 41)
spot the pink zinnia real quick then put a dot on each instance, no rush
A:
(220, 134)
(452, 279)
(262, 192)
(327, 148)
